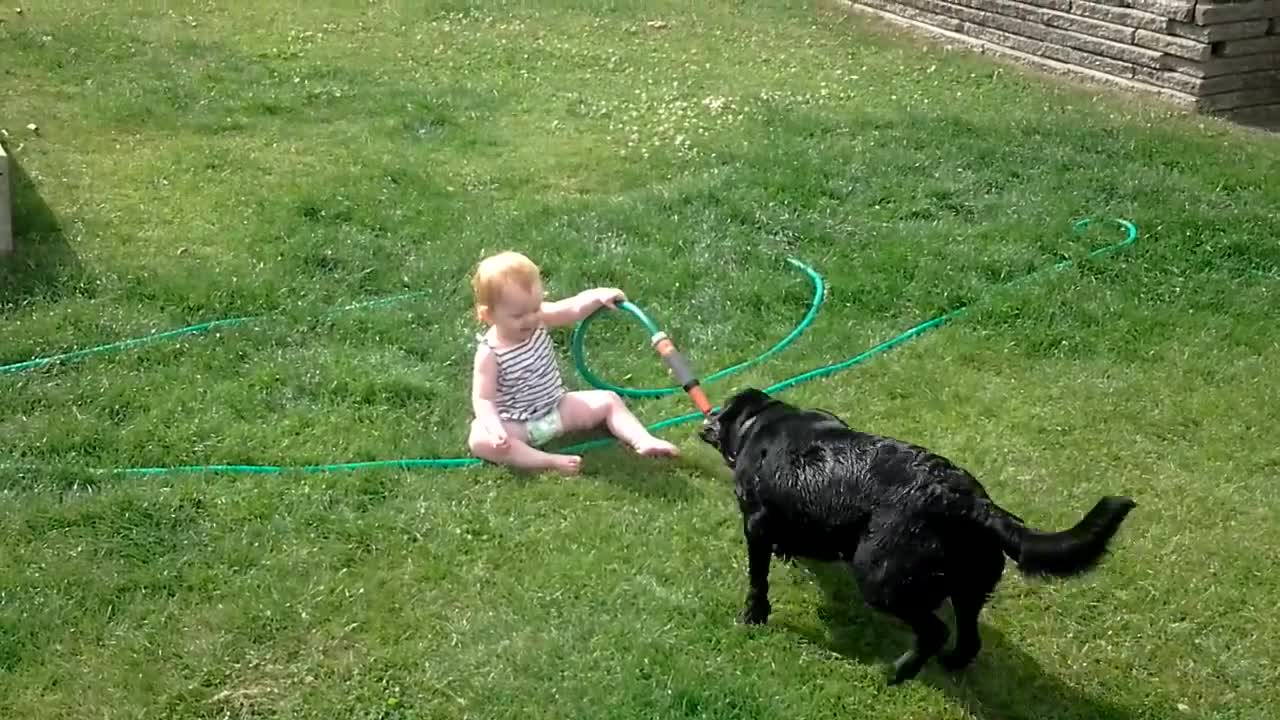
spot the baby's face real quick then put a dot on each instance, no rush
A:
(518, 313)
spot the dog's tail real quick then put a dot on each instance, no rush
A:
(1065, 553)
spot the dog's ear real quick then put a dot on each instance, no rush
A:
(742, 405)
(745, 399)
(723, 429)
(753, 397)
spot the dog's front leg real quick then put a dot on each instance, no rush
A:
(759, 554)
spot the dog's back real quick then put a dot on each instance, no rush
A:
(822, 483)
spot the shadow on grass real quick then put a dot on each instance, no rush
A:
(43, 263)
(658, 478)
(1003, 683)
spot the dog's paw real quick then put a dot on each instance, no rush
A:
(955, 662)
(754, 615)
(904, 669)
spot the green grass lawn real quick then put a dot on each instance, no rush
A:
(202, 160)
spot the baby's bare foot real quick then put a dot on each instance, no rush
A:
(567, 464)
(653, 447)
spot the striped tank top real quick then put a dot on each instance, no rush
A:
(529, 382)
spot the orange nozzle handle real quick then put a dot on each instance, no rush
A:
(699, 399)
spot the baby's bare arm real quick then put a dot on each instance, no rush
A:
(571, 310)
(484, 386)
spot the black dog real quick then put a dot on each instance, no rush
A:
(913, 528)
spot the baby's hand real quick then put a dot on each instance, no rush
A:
(497, 435)
(609, 297)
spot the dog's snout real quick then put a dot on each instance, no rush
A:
(710, 432)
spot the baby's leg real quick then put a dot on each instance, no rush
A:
(517, 452)
(587, 409)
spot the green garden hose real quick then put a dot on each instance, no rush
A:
(580, 332)
(196, 329)
(579, 357)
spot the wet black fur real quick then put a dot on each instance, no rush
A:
(913, 528)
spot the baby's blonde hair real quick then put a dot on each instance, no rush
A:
(498, 272)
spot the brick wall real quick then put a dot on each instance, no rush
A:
(1219, 57)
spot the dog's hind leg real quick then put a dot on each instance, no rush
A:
(976, 583)
(931, 635)
(914, 605)
(968, 643)
(759, 554)
(899, 583)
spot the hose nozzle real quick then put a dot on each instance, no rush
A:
(681, 371)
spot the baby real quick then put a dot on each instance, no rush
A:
(517, 394)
